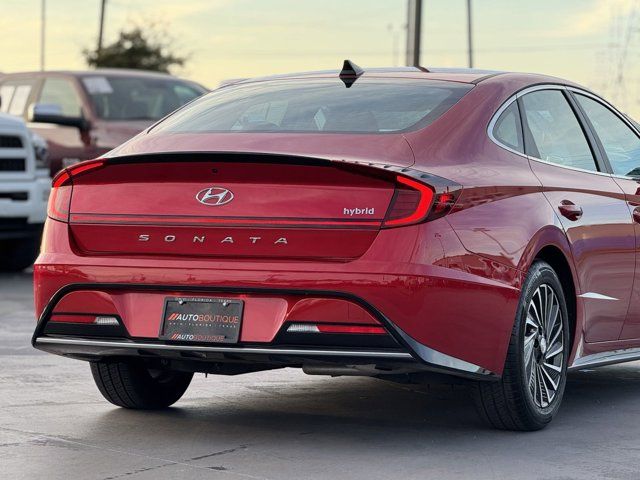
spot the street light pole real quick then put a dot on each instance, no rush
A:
(43, 5)
(100, 31)
(469, 34)
(414, 21)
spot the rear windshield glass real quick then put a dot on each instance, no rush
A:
(318, 105)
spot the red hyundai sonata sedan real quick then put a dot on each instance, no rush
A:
(394, 223)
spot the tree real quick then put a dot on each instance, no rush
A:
(136, 49)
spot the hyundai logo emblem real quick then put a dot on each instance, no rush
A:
(214, 196)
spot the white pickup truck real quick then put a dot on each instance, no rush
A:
(24, 189)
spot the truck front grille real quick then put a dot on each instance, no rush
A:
(10, 141)
(12, 164)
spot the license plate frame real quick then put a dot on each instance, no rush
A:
(201, 319)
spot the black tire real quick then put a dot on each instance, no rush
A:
(18, 254)
(130, 384)
(509, 404)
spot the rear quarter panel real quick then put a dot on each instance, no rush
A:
(502, 214)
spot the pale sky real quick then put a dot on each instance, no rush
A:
(593, 42)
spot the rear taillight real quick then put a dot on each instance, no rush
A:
(415, 201)
(60, 197)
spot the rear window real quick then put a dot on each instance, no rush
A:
(318, 105)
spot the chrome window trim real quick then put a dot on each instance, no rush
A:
(521, 93)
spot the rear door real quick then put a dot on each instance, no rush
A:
(620, 146)
(590, 206)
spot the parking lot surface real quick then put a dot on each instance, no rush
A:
(285, 425)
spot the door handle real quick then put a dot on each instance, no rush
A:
(572, 211)
(636, 214)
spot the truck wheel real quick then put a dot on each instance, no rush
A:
(530, 391)
(131, 384)
(18, 254)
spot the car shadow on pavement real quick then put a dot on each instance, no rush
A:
(373, 409)
(285, 425)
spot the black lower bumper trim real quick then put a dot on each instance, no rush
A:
(94, 348)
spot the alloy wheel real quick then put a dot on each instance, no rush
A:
(543, 346)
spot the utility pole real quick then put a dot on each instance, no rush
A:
(414, 21)
(43, 5)
(469, 34)
(102, 7)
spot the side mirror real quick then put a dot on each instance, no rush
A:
(52, 113)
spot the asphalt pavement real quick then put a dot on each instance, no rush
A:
(286, 425)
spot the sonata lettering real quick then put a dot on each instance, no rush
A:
(145, 237)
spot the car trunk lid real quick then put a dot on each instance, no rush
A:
(223, 205)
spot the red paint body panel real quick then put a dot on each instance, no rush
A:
(602, 243)
(631, 328)
(452, 284)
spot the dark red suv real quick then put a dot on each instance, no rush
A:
(84, 114)
(401, 224)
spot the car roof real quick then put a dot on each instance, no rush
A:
(460, 75)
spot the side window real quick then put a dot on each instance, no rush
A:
(620, 142)
(61, 92)
(508, 129)
(14, 95)
(555, 131)
(19, 100)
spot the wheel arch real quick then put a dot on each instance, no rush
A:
(552, 246)
(556, 258)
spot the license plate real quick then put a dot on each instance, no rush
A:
(202, 320)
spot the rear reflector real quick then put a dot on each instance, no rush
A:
(335, 328)
(85, 319)
(70, 318)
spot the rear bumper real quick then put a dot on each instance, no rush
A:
(410, 355)
(447, 309)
